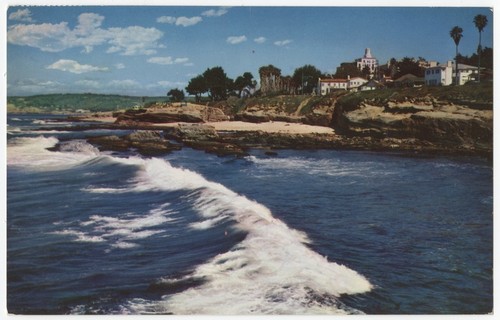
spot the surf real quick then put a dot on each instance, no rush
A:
(272, 270)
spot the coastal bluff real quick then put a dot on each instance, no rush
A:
(438, 120)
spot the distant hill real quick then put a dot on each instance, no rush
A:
(64, 103)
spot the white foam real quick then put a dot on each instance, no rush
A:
(270, 271)
(321, 167)
(80, 236)
(11, 129)
(120, 232)
(31, 153)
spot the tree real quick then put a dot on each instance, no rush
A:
(480, 21)
(366, 71)
(218, 84)
(243, 81)
(306, 78)
(197, 86)
(176, 95)
(347, 69)
(270, 77)
(486, 58)
(456, 35)
(409, 65)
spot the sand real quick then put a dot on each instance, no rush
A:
(270, 127)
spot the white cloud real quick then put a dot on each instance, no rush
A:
(236, 39)
(161, 60)
(260, 39)
(181, 60)
(119, 66)
(186, 22)
(74, 67)
(282, 42)
(166, 19)
(33, 86)
(23, 15)
(88, 22)
(168, 60)
(133, 40)
(215, 13)
(46, 36)
(179, 21)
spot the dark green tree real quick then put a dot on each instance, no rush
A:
(176, 95)
(409, 65)
(456, 35)
(306, 78)
(480, 21)
(197, 86)
(366, 72)
(242, 81)
(486, 58)
(348, 69)
(218, 84)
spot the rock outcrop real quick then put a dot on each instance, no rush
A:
(147, 143)
(204, 137)
(169, 113)
(444, 124)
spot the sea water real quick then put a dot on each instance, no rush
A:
(304, 232)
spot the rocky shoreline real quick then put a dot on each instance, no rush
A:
(408, 123)
(154, 140)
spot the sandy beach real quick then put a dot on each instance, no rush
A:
(269, 127)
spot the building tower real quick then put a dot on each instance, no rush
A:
(367, 61)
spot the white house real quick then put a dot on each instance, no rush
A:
(444, 75)
(325, 86)
(438, 75)
(466, 73)
(355, 82)
(367, 61)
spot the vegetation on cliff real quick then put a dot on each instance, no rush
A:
(71, 102)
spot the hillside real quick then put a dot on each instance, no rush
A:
(65, 103)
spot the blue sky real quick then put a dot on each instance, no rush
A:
(148, 50)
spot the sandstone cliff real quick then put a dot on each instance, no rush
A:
(445, 118)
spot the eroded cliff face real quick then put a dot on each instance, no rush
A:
(312, 110)
(169, 113)
(455, 119)
(444, 123)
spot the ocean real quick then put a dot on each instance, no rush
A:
(303, 232)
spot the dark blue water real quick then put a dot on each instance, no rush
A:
(309, 232)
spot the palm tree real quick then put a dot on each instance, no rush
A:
(456, 35)
(480, 21)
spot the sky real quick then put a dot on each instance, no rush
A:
(148, 50)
